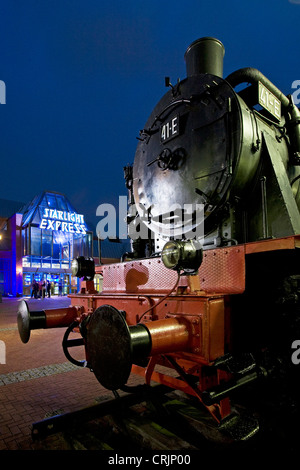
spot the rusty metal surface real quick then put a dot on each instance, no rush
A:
(222, 271)
(286, 243)
(138, 276)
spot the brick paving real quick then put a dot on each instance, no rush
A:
(36, 380)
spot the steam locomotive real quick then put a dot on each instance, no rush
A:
(207, 301)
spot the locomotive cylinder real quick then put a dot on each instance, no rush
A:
(205, 56)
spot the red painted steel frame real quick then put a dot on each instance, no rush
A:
(140, 286)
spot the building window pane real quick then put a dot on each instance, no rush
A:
(56, 251)
(46, 243)
(51, 201)
(24, 242)
(77, 247)
(35, 241)
(66, 251)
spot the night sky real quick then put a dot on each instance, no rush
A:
(83, 76)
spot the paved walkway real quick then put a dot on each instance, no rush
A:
(36, 380)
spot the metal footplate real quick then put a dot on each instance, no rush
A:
(239, 427)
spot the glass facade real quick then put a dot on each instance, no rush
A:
(47, 249)
(52, 235)
(38, 242)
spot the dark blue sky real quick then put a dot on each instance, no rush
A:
(82, 76)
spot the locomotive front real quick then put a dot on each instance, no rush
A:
(198, 165)
(195, 149)
(213, 215)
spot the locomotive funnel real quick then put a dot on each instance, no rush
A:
(205, 55)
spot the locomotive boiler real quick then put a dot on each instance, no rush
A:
(207, 301)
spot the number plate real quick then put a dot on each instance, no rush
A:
(170, 129)
(268, 101)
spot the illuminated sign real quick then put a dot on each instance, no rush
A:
(64, 221)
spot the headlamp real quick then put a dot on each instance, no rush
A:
(83, 267)
(183, 255)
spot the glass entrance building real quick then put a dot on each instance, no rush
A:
(44, 237)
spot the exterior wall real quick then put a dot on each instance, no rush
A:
(11, 258)
(17, 278)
